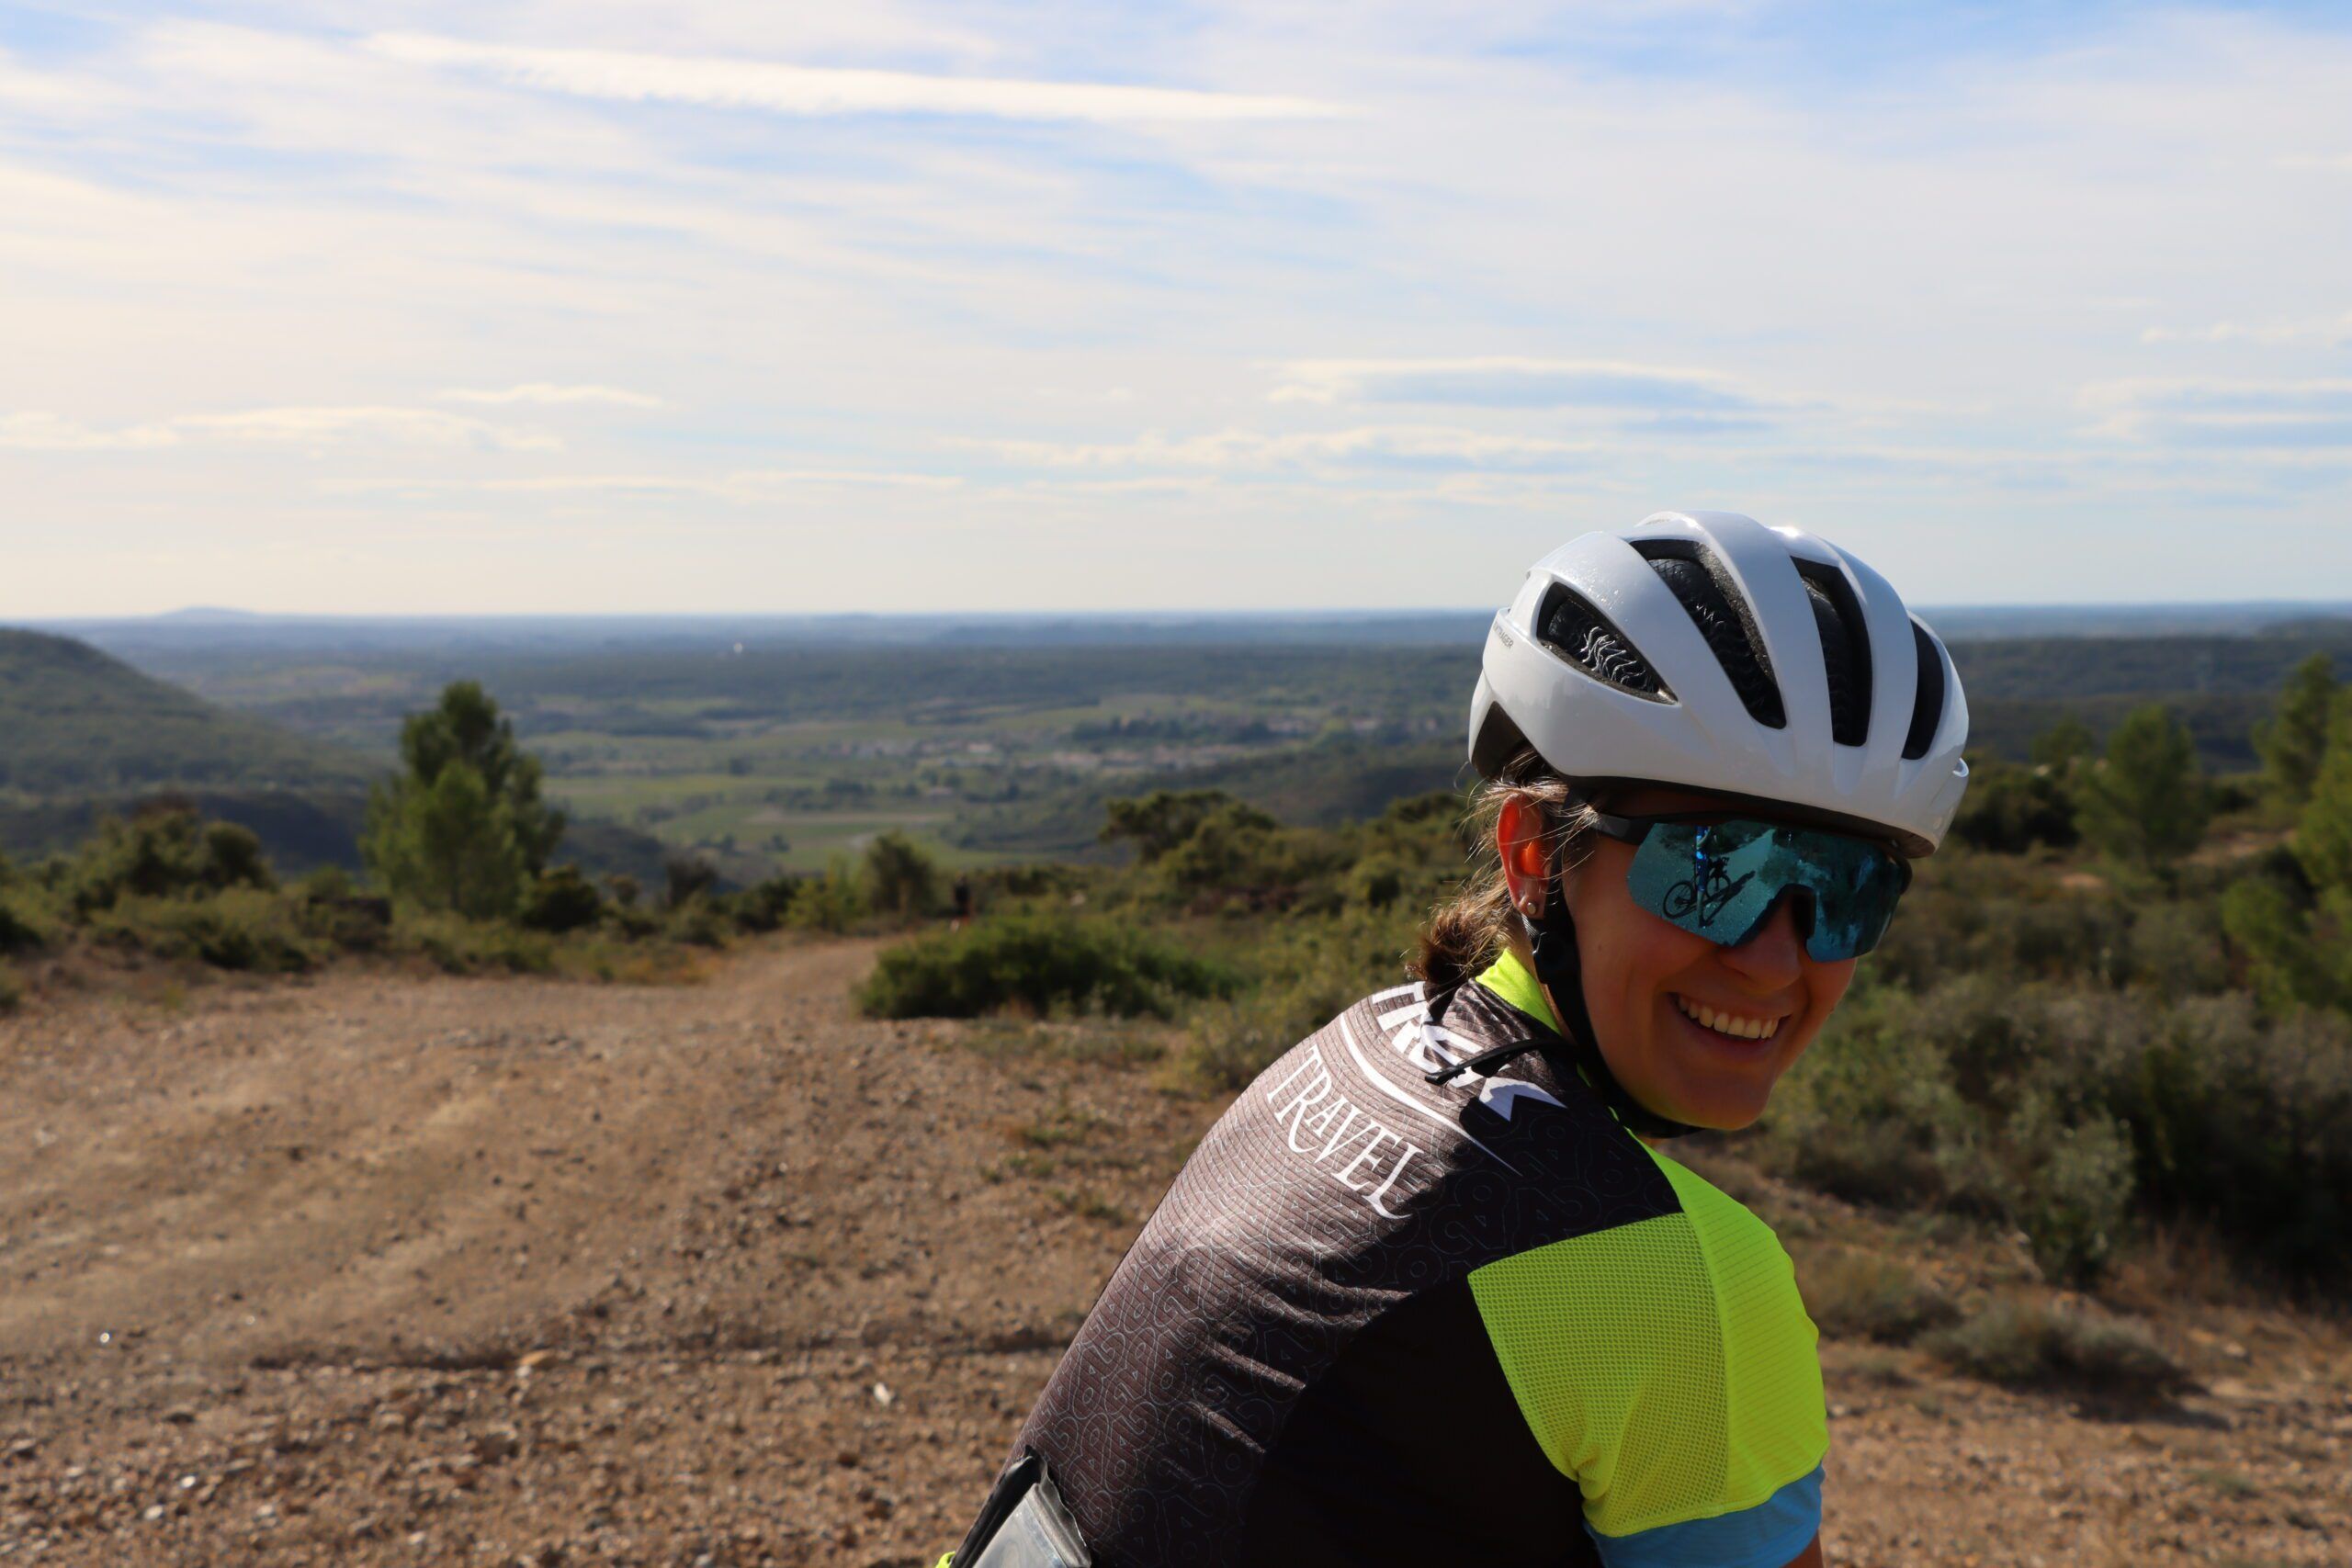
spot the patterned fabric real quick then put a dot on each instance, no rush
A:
(1303, 1361)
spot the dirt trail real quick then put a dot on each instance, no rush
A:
(382, 1269)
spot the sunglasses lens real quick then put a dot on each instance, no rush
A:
(1722, 880)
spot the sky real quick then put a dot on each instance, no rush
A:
(706, 306)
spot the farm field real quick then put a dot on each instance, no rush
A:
(717, 1273)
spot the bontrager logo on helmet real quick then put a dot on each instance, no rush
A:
(1704, 650)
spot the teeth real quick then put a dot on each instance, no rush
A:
(1725, 1023)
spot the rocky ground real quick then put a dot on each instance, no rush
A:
(377, 1268)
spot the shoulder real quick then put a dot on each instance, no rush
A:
(1669, 1366)
(1523, 1147)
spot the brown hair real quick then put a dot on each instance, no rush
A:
(1468, 931)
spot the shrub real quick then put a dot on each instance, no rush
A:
(687, 876)
(1854, 1294)
(699, 924)
(2059, 1110)
(2010, 809)
(764, 906)
(1867, 1112)
(833, 902)
(1238, 855)
(25, 920)
(242, 929)
(901, 880)
(1034, 963)
(561, 900)
(232, 857)
(1312, 970)
(2074, 1190)
(12, 989)
(2025, 1345)
(1158, 822)
(462, 946)
(163, 852)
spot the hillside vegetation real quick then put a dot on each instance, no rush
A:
(75, 721)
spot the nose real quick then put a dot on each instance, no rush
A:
(1772, 959)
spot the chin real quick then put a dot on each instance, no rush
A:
(1718, 1118)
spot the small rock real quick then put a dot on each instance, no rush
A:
(180, 1416)
(882, 1395)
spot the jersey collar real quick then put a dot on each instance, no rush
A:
(1511, 978)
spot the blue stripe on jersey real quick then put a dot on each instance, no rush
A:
(1769, 1535)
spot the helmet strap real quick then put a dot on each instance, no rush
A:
(1559, 964)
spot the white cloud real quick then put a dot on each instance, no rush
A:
(781, 88)
(2289, 416)
(2329, 330)
(548, 392)
(39, 431)
(1409, 447)
(1504, 383)
(742, 486)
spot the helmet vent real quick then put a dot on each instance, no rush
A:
(1710, 596)
(1845, 651)
(1569, 625)
(1927, 708)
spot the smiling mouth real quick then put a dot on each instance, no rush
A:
(1724, 1023)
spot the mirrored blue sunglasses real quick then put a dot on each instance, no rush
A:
(1721, 877)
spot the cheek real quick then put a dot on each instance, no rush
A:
(1824, 988)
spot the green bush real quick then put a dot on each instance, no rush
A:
(26, 919)
(1308, 972)
(2026, 1345)
(241, 929)
(901, 880)
(561, 900)
(2008, 809)
(2072, 1191)
(1853, 1294)
(1036, 963)
(687, 876)
(462, 946)
(1237, 856)
(2059, 1110)
(12, 989)
(698, 923)
(833, 902)
(1159, 821)
(163, 853)
(764, 906)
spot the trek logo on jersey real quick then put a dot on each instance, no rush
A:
(1353, 1147)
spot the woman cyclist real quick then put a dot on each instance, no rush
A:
(1431, 1291)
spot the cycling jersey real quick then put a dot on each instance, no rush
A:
(1378, 1320)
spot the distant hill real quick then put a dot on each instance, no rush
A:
(75, 721)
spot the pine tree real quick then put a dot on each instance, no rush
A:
(2146, 803)
(463, 827)
(2296, 737)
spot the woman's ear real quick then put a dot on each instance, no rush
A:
(1524, 846)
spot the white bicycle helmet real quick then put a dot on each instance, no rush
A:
(1704, 650)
